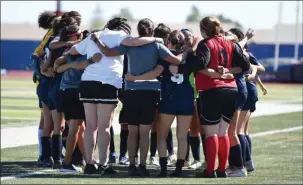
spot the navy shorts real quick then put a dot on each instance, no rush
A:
(43, 88)
(252, 98)
(54, 98)
(71, 104)
(241, 100)
(177, 99)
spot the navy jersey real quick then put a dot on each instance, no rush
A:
(241, 82)
(168, 77)
(251, 86)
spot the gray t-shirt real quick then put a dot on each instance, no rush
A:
(141, 60)
(72, 77)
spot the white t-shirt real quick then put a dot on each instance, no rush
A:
(109, 70)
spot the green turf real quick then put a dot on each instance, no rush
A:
(278, 160)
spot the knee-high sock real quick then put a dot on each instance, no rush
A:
(123, 142)
(153, 144)
(212, 147)
(223, 152)
(195, 147)
(112, 141)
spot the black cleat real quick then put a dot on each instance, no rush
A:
(133, 171)
(204, 174)
(57, 164)
(143, 171)
(48, 162)
(176, 174)
(163, 174)
(40, 161)
(91, 169)
(221, 174)
(106, 170)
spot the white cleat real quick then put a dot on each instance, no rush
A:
(237, 173)
(171, 160)
(203, 166)
(195, 165)
(154, 162)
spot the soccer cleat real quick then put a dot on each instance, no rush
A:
(70, 168)
(143, 171)
(40, 161)
(48, 162)
(221, 174)
(204, 174)
(106, 170)
(112, 158)
(163, 173)
(123, 160)
(171, 160)
(195, 165)
(249, 165)
(133, 171)
(237, 172)
(176, 174)
(203, 166)
(57, 164)
(186, 164)
(154, 162)
(91, 169)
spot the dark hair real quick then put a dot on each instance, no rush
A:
(70, 31)
(177, 39)
(118, 23)
(85, 34)
(64, 15)
(211, 26)
(59, 25)
(145, 27)
(162, 31)
(73, 13)
(45, 19)
(238, 32)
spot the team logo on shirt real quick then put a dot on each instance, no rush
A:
(177, 78)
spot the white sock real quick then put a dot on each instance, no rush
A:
(40, 135)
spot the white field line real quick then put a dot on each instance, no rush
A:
(51, 170)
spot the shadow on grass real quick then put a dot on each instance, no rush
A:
(17, 168)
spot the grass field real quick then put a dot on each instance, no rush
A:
(277, 157)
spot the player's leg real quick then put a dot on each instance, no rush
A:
(153, 143)
(112, 150)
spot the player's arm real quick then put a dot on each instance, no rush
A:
(262, 86)
(60, 61)
(140, 41)
(60, 44)
(39, 51)
(213, 74)
(169, 57)
(146, 76)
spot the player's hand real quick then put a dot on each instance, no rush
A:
(250, 78)
(228, 76)
(222, 70)
(250, 33)
(264, 90)
(159, 40)
(173, 69)
(97, 57)
(130, 78)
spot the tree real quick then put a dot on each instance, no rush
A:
(224, 19)
(125, 12)
(97, 20)
(194, 16)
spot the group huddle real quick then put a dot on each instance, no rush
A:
(208, 84)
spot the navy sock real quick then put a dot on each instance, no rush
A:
(163, 163)
(195, 147)
(112, 141)
(153, 144)
(243, 143)
(235, 156)
(247, 151)
(179, 164)
(123, 142)
(249, 142)
(187, 157)
(77, 156)
(57, 147)
(203, 146)
(46, 146)
(169, 142)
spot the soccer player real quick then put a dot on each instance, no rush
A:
(98, 89)
(141, 98)
(217, 97)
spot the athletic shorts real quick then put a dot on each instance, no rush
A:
(97, 92)
(215, 104)
(54, 99)
(241, 100)
(252, 98)
(177, 99)
(42, 90)
(72, 107)
(140, 106)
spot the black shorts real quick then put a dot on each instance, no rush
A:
(215, 104)
(71, 105)
(140, 106)
(97, 92)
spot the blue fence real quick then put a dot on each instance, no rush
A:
(15, 54)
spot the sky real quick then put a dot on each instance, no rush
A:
(255, 14)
